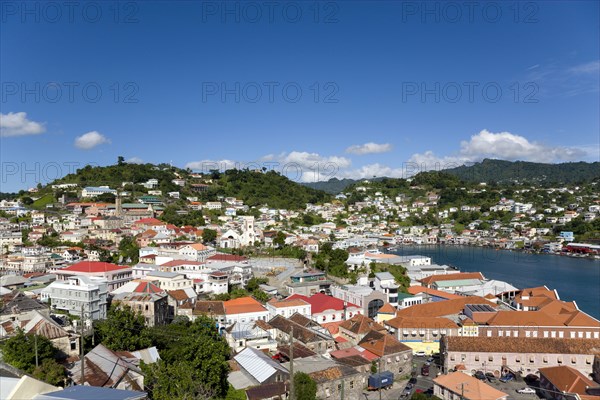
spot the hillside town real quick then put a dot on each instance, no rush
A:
(317, 298)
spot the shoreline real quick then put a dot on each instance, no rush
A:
(579, 256)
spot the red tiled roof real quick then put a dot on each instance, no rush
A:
(452, 277)
(320, 302)
(147, 287)
(432, 292)
(94, 266)
(243, 305)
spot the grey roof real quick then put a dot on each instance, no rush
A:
(384, 275)
(241, 379)
(258, 364)
(9, 280)
(7, 384)
(164, 274)
(83, 392)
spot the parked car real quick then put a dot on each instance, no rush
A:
(430, 360)
(420, 353)
(490, 377)
(425, 370)
(526, 390)
(506, 378)
(480, 375)
(531, 378)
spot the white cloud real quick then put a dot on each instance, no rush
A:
(592, 67)
(17, 124)
(134, 160)
(369, 148)
(207, 165)
(296, 165)
(502, 145)
(90, 140)
(376, 170)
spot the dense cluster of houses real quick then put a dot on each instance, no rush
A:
(336, 332)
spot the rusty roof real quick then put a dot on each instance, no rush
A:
(521, 345)
(105, 368)
(360, 324)
(382, 344)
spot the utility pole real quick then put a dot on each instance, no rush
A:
(81, 356)
(36, 350)
(292, 394)
(379, 373)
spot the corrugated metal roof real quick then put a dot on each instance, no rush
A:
(258, 364)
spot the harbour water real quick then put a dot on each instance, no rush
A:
(574, 278)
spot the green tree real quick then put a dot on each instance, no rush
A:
(193, 363)
(254, 282)
(51, 372)
(209, 235)
(261, 296)
(305, 387)
(279, 240)
(123, 329)
(19, 351)
(129, 249)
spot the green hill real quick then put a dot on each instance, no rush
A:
(257, 188)
(253, 187)
(501, 171)
(332, 186)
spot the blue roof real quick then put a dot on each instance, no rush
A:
(82, 392)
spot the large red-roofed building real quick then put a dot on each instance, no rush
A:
(326, 308)
(115, 275)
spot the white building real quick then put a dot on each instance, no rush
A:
(288, 307)
(76, 292)
(244, 311)
(92, 191)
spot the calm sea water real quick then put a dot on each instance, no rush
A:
(574, 278)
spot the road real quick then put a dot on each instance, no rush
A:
(423, 383)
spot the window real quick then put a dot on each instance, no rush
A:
(489, 333)
(491, 358)
(545, 334)
(596, 335)
(588, 335)
(580, 335)
(351, 384)
(572, 334)
(573, 360)
(452, 357)
(476, 358)
(561, 334)
(339, 387)
(500, 333)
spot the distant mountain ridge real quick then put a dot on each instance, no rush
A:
(499, 171)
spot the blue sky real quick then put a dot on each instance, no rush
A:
(386, 87)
